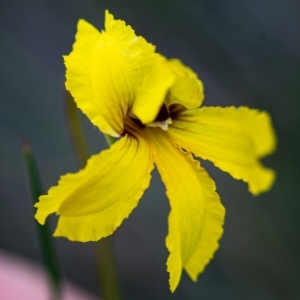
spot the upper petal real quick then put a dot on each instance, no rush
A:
(93, 202)
(187, 89)
(232, 138)
(196, 217)
(112, 72)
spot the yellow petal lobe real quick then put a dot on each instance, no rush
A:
(114, 72)
(187, 89)
(79, 66)
(93, 202)
(234, 139)
(150, 77)
(196, 217)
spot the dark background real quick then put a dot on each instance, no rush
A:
(246, 52)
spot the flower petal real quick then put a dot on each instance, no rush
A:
(93, 202)
(232, 138)
(150, 76)
(187, 89)
(112, 72)
(196, 217)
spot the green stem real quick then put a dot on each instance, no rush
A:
(109, 139)
(49, 255)
(75, 128)
(107, 271)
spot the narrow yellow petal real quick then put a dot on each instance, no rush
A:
(232, 138)
(196, 217)
(149, 75)
(93, 202)
(112, 72)
(187, 89)
(79, 66)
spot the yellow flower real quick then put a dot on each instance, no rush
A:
(129, 91)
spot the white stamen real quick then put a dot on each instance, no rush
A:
(164, 125)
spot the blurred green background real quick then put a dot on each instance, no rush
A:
(246, 52)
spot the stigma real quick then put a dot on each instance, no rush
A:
(164, 125)
(162, 120)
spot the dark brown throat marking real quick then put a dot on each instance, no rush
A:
(138, 122)
(163, 114)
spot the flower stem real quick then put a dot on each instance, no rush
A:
(109, 139)
(79, 142)
(107, 271)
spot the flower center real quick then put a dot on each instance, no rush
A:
(163, 119)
